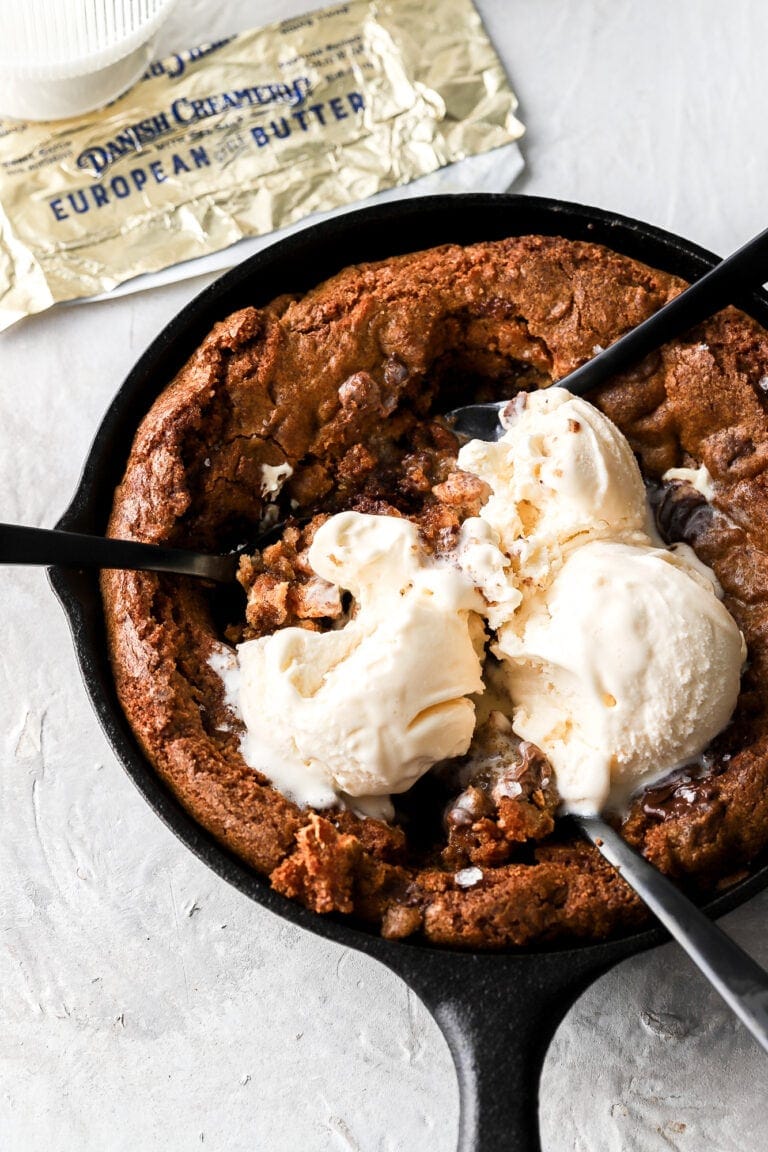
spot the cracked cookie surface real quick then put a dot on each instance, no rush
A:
(343, 385)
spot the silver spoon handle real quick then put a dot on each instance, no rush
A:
(741, 982)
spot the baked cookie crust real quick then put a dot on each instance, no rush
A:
(343, 384)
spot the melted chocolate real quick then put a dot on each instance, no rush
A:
(681, 512)
(693, 784)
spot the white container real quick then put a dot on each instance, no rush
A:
(60, 58)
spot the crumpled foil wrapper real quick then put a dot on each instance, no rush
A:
(244, 136)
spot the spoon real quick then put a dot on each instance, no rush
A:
(22, 545)
(741, 982)
(746, 268)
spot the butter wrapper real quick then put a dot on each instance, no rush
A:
(244, 136)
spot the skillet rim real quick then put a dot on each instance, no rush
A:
(78, 591)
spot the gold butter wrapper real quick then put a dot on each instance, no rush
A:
(241, 137)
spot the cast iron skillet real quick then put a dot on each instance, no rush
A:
(498, 1012)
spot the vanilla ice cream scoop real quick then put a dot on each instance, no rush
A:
(562, 473)
(621, 662)
(364, 710)
(627, 667)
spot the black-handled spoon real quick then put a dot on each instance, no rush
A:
(741, 982)
(22, 545)
(746, 269)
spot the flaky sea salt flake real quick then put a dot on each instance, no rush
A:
(468, 877)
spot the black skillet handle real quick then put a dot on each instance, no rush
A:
(498, 1015)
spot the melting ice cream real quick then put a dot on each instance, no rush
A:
(366, 709)
(620, 661)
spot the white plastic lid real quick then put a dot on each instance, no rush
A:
(60, 58)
